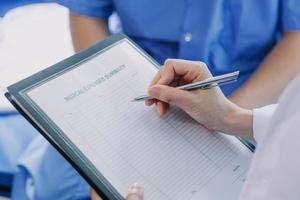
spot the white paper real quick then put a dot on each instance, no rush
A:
(172, 157)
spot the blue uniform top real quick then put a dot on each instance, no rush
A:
(228, 35)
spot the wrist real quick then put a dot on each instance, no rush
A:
(238, 121)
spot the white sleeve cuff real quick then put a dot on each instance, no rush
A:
(261, 118)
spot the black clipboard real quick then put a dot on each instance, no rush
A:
(65, 147)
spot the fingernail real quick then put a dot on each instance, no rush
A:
(160, 108)
(157, 108)
(136, 188)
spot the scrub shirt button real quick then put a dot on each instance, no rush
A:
(188, 37)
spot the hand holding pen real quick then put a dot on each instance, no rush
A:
(190, 86)
(204, 84)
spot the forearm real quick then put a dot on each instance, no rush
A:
(267, 83)
(87, 31)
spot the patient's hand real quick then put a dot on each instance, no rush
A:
(135, 193)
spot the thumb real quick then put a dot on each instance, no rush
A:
(170, 95)
(135, 192)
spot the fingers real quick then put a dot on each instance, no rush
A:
(150, 102)
(169, 95)
(135, 192)
(189, 71)
(156, 77)
(162, 107)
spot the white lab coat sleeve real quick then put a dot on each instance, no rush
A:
(261, 119)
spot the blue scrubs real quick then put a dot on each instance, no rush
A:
(228, 35)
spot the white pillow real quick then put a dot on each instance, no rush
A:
(31, 38)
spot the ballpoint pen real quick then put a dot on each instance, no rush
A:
(205, 84)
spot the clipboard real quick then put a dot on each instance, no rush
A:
(15, 96)
(18, 95)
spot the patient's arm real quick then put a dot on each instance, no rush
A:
(87, 30)
(277, 70)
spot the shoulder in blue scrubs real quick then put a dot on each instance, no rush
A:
(228, 35)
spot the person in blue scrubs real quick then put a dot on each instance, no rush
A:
(259, 38)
